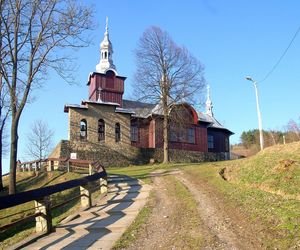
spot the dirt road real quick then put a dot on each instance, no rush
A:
(187, 214)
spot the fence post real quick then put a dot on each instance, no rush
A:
(50, 165)
(90, 169)
(44, 221)
(103, 185)
(86, 196)
(68, 166)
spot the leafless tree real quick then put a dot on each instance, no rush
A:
(39, 140)
(167, 74)
(294, 130)
(34, 34)
(4, 113)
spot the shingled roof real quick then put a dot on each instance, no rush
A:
(144, 110)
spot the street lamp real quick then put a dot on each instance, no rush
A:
(261, 137)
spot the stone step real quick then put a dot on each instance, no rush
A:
(96, 223)
(102, 214)
(123, 207)
(144, 188)
(124, 184)
(121, 179)
(126, 196)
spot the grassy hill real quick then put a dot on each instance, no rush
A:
(28, 181)
(275, 169)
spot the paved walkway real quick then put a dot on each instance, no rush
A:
(100, 226)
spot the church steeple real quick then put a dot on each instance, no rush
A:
(209, 105)
(106, 51)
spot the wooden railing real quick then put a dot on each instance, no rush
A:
(41, 197)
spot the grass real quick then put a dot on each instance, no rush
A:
(275, 169)
(278, 215)
(184, 218)
(187, 217)
(27, 181)
(265, 186)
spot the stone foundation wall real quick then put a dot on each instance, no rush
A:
(177, 155)
(125, 156)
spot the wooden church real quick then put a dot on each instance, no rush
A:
(106, 120)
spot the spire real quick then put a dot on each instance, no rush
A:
(106, 51)
(209, 105)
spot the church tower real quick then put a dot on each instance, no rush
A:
(106, 51)
(105, 85)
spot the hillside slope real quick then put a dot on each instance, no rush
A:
(28, 181)
(275, 169)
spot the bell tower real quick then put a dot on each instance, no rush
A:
(105, 85)
(106, 51)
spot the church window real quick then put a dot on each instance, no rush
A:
(210, 141)
(105, 55)
(117, 132)
(191, 135)
(101, 130)
(172, 134)
(134, 132)
(83, 129)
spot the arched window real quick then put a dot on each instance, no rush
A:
(105, 55)
(134, 132)
(83, 129)
(117, 132)
(101, 130)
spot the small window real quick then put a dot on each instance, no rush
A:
(210, 141)
(134, 132)
(117, 132)
(83, 129)
(101, 130)
(105, 55)
(191, 135)
(172, 133)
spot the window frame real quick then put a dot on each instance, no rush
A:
(210, 142)
(117, 132)
(83, 129)
(101, 130)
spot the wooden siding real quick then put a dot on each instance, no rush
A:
(219, 140)
(112, 88)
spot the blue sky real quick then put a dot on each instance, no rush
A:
(231, 38)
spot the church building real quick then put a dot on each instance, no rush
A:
(105, 122)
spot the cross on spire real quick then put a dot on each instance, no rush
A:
(106, 51)
(209, 105)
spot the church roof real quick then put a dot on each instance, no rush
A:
(144, 110)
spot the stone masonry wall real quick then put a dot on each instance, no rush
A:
(124, 157)
(92, 116)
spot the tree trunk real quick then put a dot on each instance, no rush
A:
(1, 149)
(13, 155)
(166, 136)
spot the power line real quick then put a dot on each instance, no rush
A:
(280, 58)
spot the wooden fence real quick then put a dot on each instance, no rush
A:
(41, 197)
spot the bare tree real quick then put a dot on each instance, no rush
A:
(294, 130)
(166, 73)
(35, 32)
(40, 140)
(4, 112)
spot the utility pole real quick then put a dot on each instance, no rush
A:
(261, 136)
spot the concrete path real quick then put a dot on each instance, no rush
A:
(100, 226)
